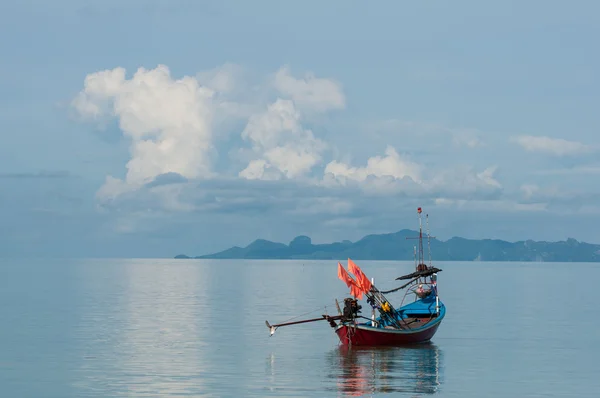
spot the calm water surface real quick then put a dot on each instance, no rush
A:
(142, 328)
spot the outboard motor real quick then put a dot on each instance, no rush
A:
(351, 309)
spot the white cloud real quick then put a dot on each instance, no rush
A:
(265, 129)
(168, 121)
(296, 159)
(464, 183)
(280, 142)
(487, 177)
(552, 146)
(391, 165)
(277, 135)
(112, 189)
(260, 169)
(170, 124)
(173, 125)
(310, 92)
(395, 174)
(223, 79)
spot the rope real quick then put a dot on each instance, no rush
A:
(401, 287)
(350, 332)
(306, 313)
(393, 290)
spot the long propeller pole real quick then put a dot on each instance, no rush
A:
(272, 328)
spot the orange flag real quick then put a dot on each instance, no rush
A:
(343, 275)
(355, 290)
(363, 282)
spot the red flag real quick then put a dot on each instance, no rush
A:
(355, 289)
(363, 282)
(343, 275)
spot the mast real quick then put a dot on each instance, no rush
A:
(415, 256)
(421, 259)
(428, 238)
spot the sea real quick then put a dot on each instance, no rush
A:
(196, 328)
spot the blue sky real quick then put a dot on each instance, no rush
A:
(152, 128)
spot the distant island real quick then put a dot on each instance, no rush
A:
(395, 246)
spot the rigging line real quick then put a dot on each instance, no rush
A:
(306, 313)
(393, 290)
(401, 287)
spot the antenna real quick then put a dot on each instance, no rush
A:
(415, 255)
(421, 257)
(428, 238)
(420, 237)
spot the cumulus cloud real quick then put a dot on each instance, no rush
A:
(260, 169)
(552, 146)
(465, 183)
(310, 92)
(283, 146)
(173, 125)
(391, 165)
(171, 122)
(224, 79)
(396, 174)
(168, 122)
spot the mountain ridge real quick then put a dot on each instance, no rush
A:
(395, 246)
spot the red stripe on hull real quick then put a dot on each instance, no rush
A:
(376, 337)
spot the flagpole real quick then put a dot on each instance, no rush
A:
(373, 308)
(374, 296)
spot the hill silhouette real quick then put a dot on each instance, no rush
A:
(395, 246)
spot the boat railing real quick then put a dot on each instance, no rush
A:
(412, 289)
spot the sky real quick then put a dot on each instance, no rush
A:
(149, 128)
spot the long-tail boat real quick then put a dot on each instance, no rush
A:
(413, 321)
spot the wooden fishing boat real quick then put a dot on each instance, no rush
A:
(414, 321)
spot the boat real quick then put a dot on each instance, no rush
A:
(416, 320)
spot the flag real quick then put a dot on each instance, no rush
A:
(343, 275)
(361, 279)
(355, 289)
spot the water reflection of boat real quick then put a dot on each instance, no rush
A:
(413, 369)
